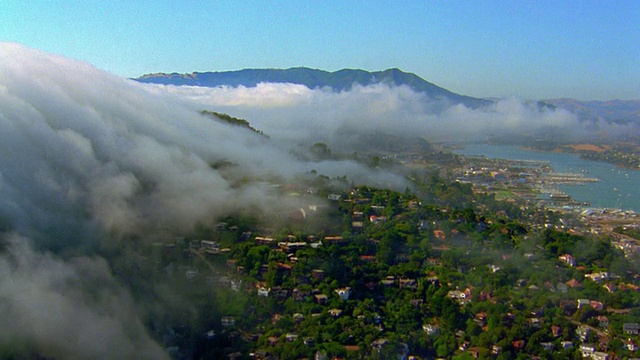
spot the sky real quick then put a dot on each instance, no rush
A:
(541, 49)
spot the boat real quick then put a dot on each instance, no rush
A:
(560, 197)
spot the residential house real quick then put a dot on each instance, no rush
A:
(603, 321)
(481, 319)
(406, 283)
(461, 296)
(261, 355)
(431, 329)
(377, 219)
(298, 317)
(518, 344)
(587, 350)
(573, 283)
(377, 208)
(610, 287)
(596, 305)
(321, 299)
(598, 276)
(209, 246)
(433, 280)
(378, 344)
(344, 293)
(317, 274)
(547, 346)
(496, 350)
(280, 293)
(631, 328)
(227, 321)
(582, 303)
(300, 295)
(567, 259)
(291, 247)
(272, 341)
(263, 291)
(388, 281)
(583, 332)
(352, 348)
(264, 240)
(338, 240)
(464, 346)
(566, 344)
(439, 234)
(599, 355)
(284, 267)
(631, 345)
(456, 294)
(534, 322)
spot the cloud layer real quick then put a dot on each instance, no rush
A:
(87, 149)
(294, 112)
(70, 309)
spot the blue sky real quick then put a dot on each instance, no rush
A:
(589, 50)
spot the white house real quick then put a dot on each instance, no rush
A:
(263, 291)
(344, 293)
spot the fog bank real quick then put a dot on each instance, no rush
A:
(293, 113)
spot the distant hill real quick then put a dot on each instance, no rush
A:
(312, 78)
(616, 111)
(228, 119)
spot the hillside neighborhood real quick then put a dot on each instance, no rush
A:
(392, 275)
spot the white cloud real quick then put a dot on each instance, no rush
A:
(71, 309)
(294, 112)
(76, 140)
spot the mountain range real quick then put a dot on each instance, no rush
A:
(341, 80)
(617, 111)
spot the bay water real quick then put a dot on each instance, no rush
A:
(617, 188)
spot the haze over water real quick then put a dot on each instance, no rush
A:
(618, 187)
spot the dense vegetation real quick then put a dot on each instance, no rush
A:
(406, 259)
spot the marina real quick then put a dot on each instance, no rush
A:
(586, 182)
